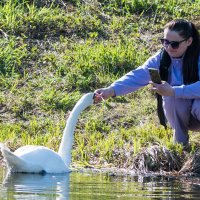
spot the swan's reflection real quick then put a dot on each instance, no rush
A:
(37, 186)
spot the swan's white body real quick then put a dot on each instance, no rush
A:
(39, 159)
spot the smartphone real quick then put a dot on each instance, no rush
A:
(155, 76)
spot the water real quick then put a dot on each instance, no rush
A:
(95, 186)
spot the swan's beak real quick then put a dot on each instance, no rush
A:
(94, 99)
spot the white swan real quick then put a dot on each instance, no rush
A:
(40, 159)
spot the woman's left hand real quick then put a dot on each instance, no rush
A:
(164, 89)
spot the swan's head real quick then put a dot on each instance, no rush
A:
(87, 98)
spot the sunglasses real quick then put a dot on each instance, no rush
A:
(174, 44)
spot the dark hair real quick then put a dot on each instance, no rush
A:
(186, 30)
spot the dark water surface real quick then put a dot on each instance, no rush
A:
(95, 186)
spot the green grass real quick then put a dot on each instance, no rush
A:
(52, 52)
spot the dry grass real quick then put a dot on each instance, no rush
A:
(156, 159)
(192, 164)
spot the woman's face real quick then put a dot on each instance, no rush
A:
(170, 36)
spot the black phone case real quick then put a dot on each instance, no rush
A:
(155, 76)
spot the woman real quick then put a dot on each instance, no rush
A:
(181, 90)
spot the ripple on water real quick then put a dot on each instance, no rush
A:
(90, 186)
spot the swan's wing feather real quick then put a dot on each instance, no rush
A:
(17, 164)
(11, 159)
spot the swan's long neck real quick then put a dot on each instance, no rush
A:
(68, 134)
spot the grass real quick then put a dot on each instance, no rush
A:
(51, 52)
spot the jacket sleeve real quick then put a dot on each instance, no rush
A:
(137, 78)
(191, 91)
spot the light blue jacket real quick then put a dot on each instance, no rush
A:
(140, 77)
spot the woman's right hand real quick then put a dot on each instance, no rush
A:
(103, 94)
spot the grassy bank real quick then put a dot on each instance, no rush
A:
(52, 52)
